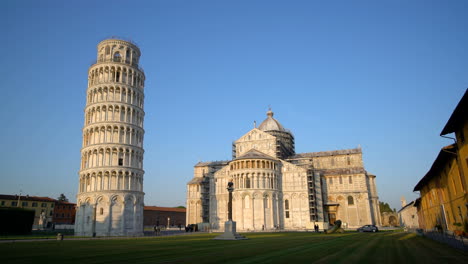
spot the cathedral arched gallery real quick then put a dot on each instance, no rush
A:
(277, 188)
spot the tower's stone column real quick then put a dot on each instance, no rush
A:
(110, 193)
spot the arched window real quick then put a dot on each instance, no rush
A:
(350, 200)
(117, 57)
(247, 182)
(127, 56)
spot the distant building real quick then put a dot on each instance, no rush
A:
(42, 206)
(163, 216)
(390, 219)
(443, 190)
(408, 215)
(417, 204)
(274, 187)
(64, 213)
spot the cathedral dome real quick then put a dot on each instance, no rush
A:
(270, 123)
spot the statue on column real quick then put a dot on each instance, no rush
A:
(230, 226)
(230, 189)
(42, 220)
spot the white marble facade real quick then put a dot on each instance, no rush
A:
(275, 188)
(110, 194)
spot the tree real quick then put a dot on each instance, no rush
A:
(181, 207)
(62, 198)
(385, 207)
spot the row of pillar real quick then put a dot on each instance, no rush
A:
(93, 183)
(105, 94)
(111, 134)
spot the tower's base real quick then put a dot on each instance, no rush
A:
(230, 232)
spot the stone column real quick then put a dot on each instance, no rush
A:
(253, 212)
(230, 226)
(230, 206)
(109, 224)
(124, 205)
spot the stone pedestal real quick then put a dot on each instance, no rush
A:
(230, 232)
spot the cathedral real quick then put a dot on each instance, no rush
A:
(277, 188)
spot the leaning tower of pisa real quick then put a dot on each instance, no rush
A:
(110, 194)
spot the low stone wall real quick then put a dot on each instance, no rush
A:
(452, 240)
(64, 227)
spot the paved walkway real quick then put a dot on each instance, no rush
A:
(147, 234)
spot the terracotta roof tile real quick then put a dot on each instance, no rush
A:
(27, 198)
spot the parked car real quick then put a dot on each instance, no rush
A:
(368, 228)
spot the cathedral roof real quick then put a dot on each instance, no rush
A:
(271, 124)
(341, 171)
(326, 153)
(212, 163)
(254, 154)
(196, 180)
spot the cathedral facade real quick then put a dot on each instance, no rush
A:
(276, 188)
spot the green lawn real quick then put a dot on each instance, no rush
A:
(383, 247)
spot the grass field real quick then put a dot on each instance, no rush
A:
(383, 247)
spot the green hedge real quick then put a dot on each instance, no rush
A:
(16, 221)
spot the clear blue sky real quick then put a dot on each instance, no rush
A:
(385, 75)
